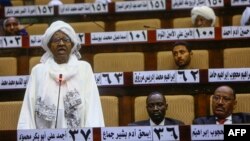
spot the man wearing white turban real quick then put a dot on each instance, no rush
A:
(203, 16)
(245, 18)
(61, 92)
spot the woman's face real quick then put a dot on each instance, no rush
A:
(60, 45)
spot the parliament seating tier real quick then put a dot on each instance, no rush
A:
(138, 57)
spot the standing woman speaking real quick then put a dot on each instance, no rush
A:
(61, 92)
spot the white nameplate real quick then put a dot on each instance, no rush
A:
(119, 37)
(14, 82)
(109, 78)
(35, 10)
(185, 4)
(154, 77)
(235, 32)
(36, 40)
(188, 76)
(228, 75)
(240, 2)
(142, 5)
(208, 132)
(167, 76)
(132, 133)
(83, 8)
(185, 34)
(10, 41)
(166, 133)
(83, 134)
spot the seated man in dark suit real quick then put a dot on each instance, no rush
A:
(156, 108)
(223, 104)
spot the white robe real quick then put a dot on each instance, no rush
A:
(78, 90)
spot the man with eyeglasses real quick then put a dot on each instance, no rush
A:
(223, 103)
(157, 105)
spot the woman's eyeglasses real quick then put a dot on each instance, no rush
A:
(58, 40)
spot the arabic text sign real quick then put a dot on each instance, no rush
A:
(119, 37)
(208, 132)
(83, 134)
(235, 32)
(132, 133)
(83, 8)
(35, 10)
(13, 82)
(142, 5)
(239, 2)
(109, 78)
(10, 41)
(168, 76)
(185, 33)
(166, 133)
(229, 75)
(184, 4)
(36, 40)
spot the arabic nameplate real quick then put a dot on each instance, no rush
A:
(154, 77)
(229, 75)
(188, 4)
(166, 133)
(35, 10)
(185, 34)
(109, 78)
(142, 5)
(132, 133)
(119, 37)
(14, 82)
(188, 76)
(77, 134)
(10, 41)
(235, 32)
(240, 2)
(83, 8)
(80, 134)
(208, 132)
(36, 40)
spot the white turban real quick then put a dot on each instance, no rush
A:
(204, 11)
(245, 16)
(67, 29)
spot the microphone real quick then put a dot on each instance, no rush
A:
(57, 108)
(98, 25)
(147, 26)
(28, 25)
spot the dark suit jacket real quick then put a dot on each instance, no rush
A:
(168, 121)
(236, 118)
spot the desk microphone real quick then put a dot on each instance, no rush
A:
(57, 108)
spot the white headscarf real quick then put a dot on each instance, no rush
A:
(67, 29)
(55, 2)
(203, 11)
(245, 16)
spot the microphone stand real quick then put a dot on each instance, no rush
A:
(60, 82)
